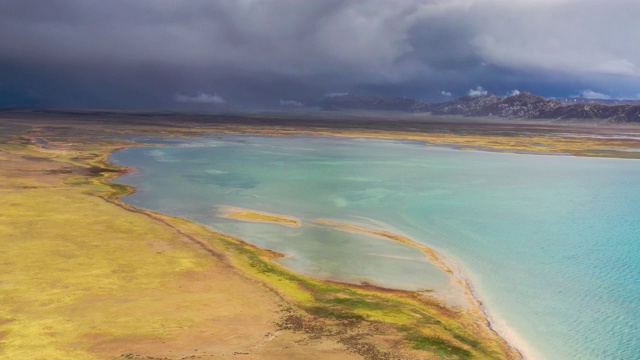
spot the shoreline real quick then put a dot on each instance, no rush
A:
(510, 336)
(465, 133)
(500, 144)
(441, 261)
(451, 266)
(432, 254)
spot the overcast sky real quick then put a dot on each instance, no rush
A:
(270, 53)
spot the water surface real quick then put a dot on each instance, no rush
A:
(551, 243)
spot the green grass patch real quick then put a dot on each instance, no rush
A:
(334, 313)
(437, 346)
(118, 190)
(465, 338)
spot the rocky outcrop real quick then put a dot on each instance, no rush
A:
(615, 113)
(523, 105)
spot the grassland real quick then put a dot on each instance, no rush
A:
(85, 276)
(82, 277)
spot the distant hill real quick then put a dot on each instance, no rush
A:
(579, 100)
(524, 106)
(374, 102)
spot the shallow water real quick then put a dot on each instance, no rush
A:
(551, 243)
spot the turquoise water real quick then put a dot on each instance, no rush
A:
(550, 243)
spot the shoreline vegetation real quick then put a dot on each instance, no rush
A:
(473, 301)
(86, 276)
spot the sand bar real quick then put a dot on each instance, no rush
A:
(237, 213)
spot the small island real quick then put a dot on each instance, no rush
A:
(236, 213)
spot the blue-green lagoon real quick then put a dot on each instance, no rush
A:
(551, 244)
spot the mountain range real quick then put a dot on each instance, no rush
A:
(521, 106)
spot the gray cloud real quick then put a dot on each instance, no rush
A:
(141, 53)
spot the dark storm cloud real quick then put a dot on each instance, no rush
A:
(148, 53)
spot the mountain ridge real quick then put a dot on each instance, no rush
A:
(520, 106)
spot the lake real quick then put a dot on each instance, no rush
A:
(551, 244)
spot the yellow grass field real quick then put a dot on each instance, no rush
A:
(83, 278)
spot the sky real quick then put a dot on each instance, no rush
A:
(252, 54)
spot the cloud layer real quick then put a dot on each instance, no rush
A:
(253, 53)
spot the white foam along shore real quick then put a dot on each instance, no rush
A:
(496, 324)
